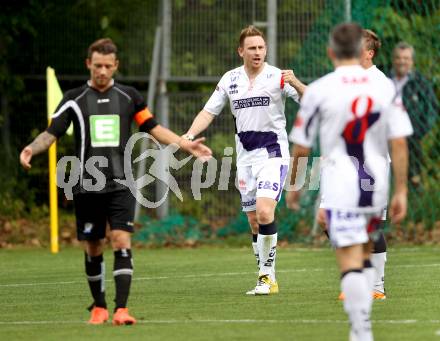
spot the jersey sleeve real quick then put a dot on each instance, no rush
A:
(289, 91)
(218, 99)
(306, 124)
(322, 203)
(62, 117)
(398, 122)
(142, 116)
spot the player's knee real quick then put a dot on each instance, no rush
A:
(253, 223)
(94, 247)
(265, 215)
(120, 239)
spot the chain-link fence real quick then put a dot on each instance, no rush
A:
(204, 37)
(215, 205)
(417, 23)
(62, 31)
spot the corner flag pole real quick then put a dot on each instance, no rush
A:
(54, 97)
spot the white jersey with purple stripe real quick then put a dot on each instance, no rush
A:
(355, 114)
(258, 111)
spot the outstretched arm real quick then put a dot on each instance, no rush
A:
(196, 147)
(399, 158)
(200, 123)
(40, 144)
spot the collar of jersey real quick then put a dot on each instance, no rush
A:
(347, 67)
(89, 84)
(262, 71)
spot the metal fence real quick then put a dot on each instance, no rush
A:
(203, 46)
(205, 34)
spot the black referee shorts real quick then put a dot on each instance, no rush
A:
(94, 210)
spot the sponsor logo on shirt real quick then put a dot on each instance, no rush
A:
(251, 102)
(103, 100)
(104, 130)
(233, 89)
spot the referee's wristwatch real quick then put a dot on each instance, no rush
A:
(189, 137)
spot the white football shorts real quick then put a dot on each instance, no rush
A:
(263, 180)
(347, 228)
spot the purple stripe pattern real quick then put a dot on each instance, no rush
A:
(252, 140)
(283, 174)
(354, 137)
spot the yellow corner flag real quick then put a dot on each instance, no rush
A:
(54, 97)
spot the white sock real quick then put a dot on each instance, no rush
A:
(272, 275)
(267, 247)
(357, 304)
(257, 256)
(378, 260)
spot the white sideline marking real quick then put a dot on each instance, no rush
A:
(160, 277)
(228, 321)
(15, 285)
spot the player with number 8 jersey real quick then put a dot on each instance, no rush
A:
(356, 116)
(356, 158)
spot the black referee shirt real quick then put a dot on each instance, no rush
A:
(102, 125)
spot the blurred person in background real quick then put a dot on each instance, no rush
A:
(418, 97)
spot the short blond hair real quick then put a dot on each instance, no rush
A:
(372, 41)
(250, 31)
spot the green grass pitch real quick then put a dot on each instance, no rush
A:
(199, 294)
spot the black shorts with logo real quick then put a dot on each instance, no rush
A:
(94, 210)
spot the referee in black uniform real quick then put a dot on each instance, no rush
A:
(102, 112)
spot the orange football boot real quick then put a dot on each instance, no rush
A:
(99, 315)
(378, 295)
(122, 317)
